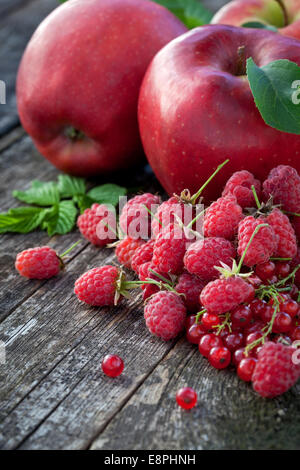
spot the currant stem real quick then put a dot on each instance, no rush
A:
(199, 314)
(70, 249)
(256, 197)
(256, 230)
(198, 193)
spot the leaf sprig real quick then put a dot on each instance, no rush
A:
(54, 205)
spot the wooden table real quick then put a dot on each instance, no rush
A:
(53, 394)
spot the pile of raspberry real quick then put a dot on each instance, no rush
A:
(233, 289)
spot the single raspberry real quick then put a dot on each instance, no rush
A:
(135, 218)
(38, 263)
(169, 249)
(142, 255)
(165, 315)
(283, 184)
(97, 224)
(222, 218)
(191, 286)
(126, 248)
(275, 371)
(98, 286)
(240, 185)
(264, 243)
(202, 256)
(287, 243)
(222, 295)
(166, 214)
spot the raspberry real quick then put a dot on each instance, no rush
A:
(222, 295)
(191, 286)
(135, 218)
(169, 250)
(275, 372)
(98, 286)
(264, 243)
(38, 263)
(142, 255)
(125, 250)
(283, 184)
(202, 256)
(239, 185)
(287, 243)
(94, 222)
(165, 315)
(222, 218)
(165, 214)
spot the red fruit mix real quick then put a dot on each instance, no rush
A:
(234, 292)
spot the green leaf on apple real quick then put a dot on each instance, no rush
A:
(41, 194)
(22, 219)
(276, 91)
(191, 12)
(60, 219)
(259, 25)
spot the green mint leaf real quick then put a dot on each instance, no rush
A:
(191, 12)
(22, 219)
(259, 25)
(83, 201)
(70, 186)
(276, 91)
(41, 194)
(107, 194)
(60, 219)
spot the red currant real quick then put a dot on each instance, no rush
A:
(112, 365)
(256, 305)
(265, 271)
(282, 323)
(240, 354)
(186, 398)
(266, 313)
(295, 333)
(234, 341)
(246, 368)
(241, 316)
(291, 307)
(195, 333)
(283, 269)
(190, 320)
(210, 320)
(209, 341)
(219, 357)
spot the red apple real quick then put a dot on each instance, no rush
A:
(196, 108)
(80, 76)
(283, 14)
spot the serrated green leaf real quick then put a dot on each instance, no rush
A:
(41, 194)
(70, 186)
(61, 218)
(191, 12)
(83, 201)
(259, 25)
(22, 219)
(107, 194)
(275, 88)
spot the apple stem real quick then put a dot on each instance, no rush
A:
(284, 11)
(241, 68)
(74, 134)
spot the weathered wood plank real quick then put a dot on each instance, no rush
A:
(229, 414)
(15, 32)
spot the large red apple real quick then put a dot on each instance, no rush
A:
(79, 81)
(196, 108)
(283, 14)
